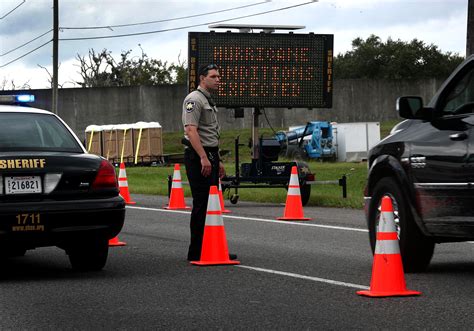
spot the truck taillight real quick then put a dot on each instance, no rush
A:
(309, 177)
(106, 177)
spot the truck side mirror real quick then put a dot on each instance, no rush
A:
(411, 107)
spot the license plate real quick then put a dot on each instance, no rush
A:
(22, 185)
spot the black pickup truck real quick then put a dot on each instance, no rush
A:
(426, 165)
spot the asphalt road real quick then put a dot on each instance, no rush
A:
(293, 275)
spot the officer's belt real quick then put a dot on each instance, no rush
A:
(187, 143)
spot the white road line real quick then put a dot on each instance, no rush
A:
(259, 220)
(282, 273)
(315, 279)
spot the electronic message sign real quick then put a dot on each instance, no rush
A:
(265, 69)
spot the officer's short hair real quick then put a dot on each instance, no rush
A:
(204, 69)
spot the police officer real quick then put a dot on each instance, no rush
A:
(201, 156)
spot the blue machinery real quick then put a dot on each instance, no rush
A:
(320, 146)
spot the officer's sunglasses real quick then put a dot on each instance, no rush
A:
(207, 68)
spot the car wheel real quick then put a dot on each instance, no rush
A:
(294, 152)
(89, 255)
(305, 193)
(16, 252)
(8, 252)
(234, 198)
(415, 248)
(298, 155)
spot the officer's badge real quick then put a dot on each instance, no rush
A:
(190, 106)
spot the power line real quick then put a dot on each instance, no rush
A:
(142, 33)
(161, 21)
(11, 11)
(22, 56)
(186, 27)
(14, 49)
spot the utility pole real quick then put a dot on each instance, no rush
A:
(470, 28)
(54, 87)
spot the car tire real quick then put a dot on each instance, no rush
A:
(298, 155)
(8, 252)
(89, 255)
(294, 152)
(17, 252)
(305, 193)
(234, 198)
(415, 248)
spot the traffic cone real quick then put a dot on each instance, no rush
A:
(177, 192)
(387, 271)
(114, 242)
(214, 243)
(123, 185)
(294, 206)
(221, 199)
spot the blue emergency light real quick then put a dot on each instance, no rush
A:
(11, 99)
(25, 98)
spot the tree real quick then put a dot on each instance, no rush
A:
(50, 75)
(6, 84)
(394, 59)
(101, 69)
(180, 70)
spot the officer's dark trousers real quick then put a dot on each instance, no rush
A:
(200, 186)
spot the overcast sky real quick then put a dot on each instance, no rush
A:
(442, 23)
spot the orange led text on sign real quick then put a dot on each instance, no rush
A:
(263, 71)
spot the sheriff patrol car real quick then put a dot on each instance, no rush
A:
(52, 192)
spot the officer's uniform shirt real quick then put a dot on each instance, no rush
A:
(198, 111)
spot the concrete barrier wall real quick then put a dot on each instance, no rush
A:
(353, 101)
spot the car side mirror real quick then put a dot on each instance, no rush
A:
(412, 108)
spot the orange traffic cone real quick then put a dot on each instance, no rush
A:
(387, 271)
(123, 185)
(177, 192)
(294, 206)
(214, 243)
(116, 242)
(221, 199)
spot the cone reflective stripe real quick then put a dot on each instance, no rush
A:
(114, 242)
(123, 182)
(213, 213)
(214, 249)
(123, 185)
(294, 206)
(387, 271)
(177, 193)
(221, 199)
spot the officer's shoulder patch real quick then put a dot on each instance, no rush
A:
(189, 105)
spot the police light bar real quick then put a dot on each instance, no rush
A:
(12, 99)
